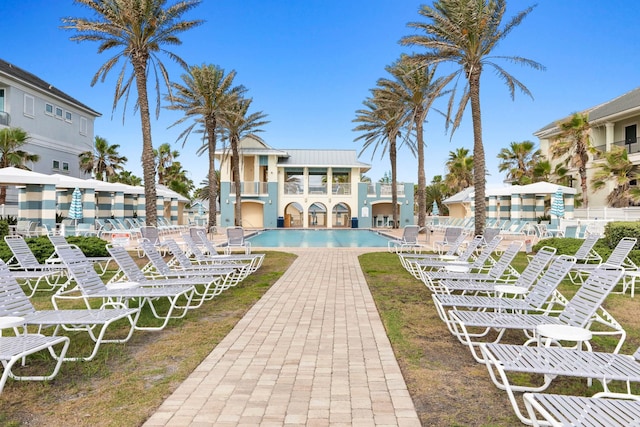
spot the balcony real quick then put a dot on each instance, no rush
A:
(251, 188)
(386, 189)
(5, 118)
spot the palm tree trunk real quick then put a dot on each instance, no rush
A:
(478, 153)
(235, 171)
(422, 184)
(394, 183)
(211, 124)
(148, 159)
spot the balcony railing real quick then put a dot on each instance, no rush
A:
(292, 188)
(250, 188)
(318, 189)
(341, 189)
(632, 146)
(5, 118)
(386, 189)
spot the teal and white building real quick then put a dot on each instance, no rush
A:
(514, 202)
(306, 189)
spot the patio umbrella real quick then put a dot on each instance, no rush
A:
(75, 209)
(434, 209)
(557, 204)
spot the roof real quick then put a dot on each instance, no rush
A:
(32, 80)
(323, 158)
(621, 105)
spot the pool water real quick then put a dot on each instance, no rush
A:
(316, 238)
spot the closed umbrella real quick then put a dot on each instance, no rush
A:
(75, 209)
(434, 209)
(557, 204)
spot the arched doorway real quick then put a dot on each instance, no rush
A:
(340, 215)
(317, 215)
(293, 215)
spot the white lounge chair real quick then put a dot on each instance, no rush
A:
(102, 263)
(552, 362)
(618, 257)
(23, 259)
(576, 318)
(200, 258)
(521, 286)
(213, 252)
(95, 322)
(500, 271)
(560, 410)
(537, 299)
(15, 348)
(212, 284)
(408, 242)
(450, 236)
(235, 239)
(89, 285)
(413, 263)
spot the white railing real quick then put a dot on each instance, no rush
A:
(386, 189)
(341, 189)
(608, 214)
(250, 188)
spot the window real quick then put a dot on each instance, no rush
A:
(67, 116)
(1, 100)
(59, 113)
(83, 125)
(56, 164)
(65, 166)
(29, 106)
(48, 109)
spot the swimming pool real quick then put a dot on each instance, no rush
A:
(316, 238)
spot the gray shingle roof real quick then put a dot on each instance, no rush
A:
(18, 73)
(626, 102)
(323, 158)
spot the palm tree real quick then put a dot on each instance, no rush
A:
(237, 126)
(519, 161)
(381, 121)
(437, 191)
(139, 30)
(126, 177)
(465, 32)
(574, 142)
(460, 166)
(164, 157)
(205, 96)
(418, 90)
(11, 139)
(104, 161)
(176, 179)
(616, 167)
(542, 171)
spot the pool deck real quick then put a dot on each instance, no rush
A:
(311, 352)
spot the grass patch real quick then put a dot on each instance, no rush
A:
(125, 384)
(447, 386)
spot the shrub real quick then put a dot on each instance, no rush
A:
(569, 246)
(4, 228)
(616, 231)
(42, 247)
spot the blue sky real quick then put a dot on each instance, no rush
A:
(309, 65)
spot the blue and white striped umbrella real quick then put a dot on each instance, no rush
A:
(557, 203)
(434, 209)
(75, 209)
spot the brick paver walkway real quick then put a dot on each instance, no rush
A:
(311, 352)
